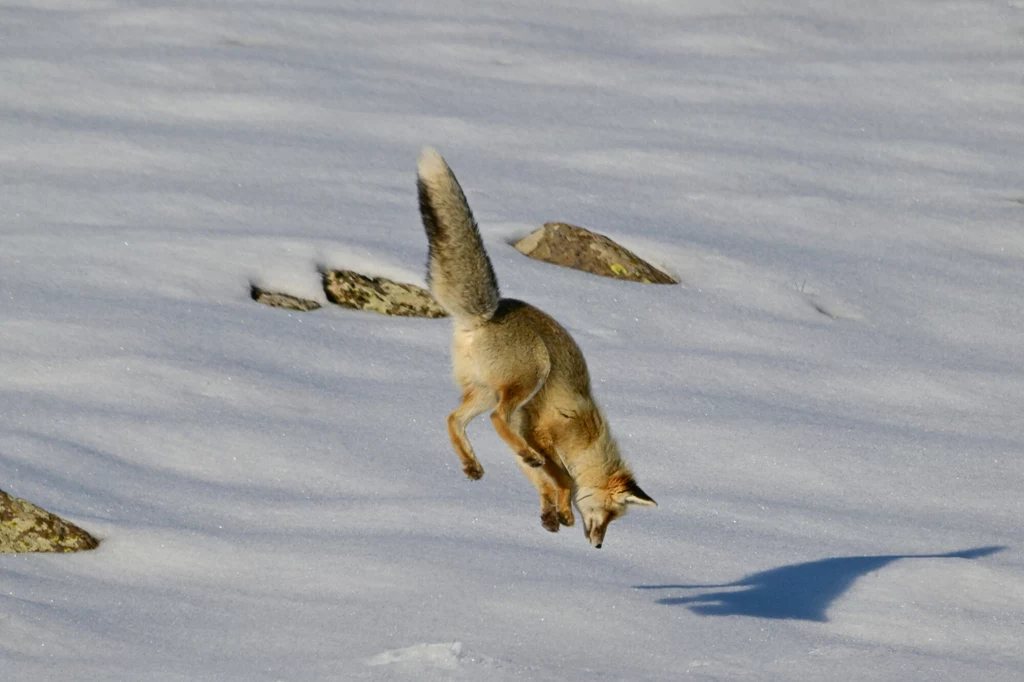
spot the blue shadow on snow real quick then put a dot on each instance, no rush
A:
(799, 591)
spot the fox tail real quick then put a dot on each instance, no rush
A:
(460, 274)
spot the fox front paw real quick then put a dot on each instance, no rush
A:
(474, 471)
(566, 517)
(549, 518)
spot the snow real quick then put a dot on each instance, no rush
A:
(828, 412)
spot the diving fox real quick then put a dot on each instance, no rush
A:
(517, 361)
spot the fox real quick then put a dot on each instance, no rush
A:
(518, 362)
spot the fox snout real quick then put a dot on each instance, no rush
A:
(595, 525)
(595, 534)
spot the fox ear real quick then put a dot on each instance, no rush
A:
(636, 496)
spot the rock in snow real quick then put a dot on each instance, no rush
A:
(581, 249)
(278, 300)
(381, 295)
(25, 527)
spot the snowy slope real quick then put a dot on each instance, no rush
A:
(828, 412)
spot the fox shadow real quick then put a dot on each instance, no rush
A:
(798, 591)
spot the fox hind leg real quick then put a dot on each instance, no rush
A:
(475, 401)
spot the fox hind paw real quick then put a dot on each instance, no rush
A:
(474, 471)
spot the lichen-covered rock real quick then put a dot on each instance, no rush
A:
(278, 300)
(352, 290)
(581, 249)
(25, 527)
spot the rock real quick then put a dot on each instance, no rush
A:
(352, 290)
(576, 247)
(25, 527)
(282, 300)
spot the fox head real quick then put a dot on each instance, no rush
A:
(599, 506)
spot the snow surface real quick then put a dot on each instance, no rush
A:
(829, 412)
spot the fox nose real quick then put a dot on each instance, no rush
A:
(597, 546)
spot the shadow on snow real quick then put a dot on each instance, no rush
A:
(799, 591)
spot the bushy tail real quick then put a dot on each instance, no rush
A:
(459, 272)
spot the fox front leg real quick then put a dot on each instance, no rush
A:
(510, 398)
